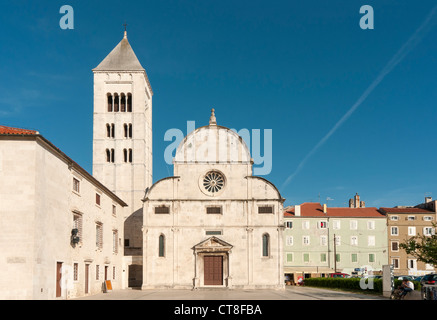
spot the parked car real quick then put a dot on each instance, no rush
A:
(427, 281)
(339, 275)
(410, 278)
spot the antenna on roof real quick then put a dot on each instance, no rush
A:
(125, 30)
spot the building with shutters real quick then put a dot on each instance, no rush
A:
(319, 240)
(213, 224)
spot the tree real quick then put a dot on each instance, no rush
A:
(422, 247)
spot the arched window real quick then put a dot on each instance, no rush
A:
(123, 103)
(110, 102)
(125, 130)
(161, 246)
(125, 155)
(266, 245)
(129, 102)
(116, 102)
(108, 155)
(108, 130)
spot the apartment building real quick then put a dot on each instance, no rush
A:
(404, 223)
(319, 240)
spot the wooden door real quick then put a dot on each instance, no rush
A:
(58, 279)
(213, 270)
(87, 273)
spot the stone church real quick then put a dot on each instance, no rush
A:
(213, 224)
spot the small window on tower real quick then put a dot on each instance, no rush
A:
(109, 102)
(129, 102)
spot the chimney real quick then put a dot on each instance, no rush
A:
(428, 199)
(357, 201)
(362, 204)
(325, 208)
(297, 211)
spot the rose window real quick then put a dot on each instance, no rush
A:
(213, 182)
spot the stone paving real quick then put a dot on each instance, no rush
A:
(289, 293)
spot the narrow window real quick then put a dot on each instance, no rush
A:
(108, 155)
(113, 273)
(114, 210)
(108, 130)
(112, 156)
(112, 130)
(125, 155)
(395, 246)
(125, 130)
(123, 103)
(129, 102)
(99, 235)
(109, 102)
(130, 155)
(97, 199)
(75, 271)
(354, 257)
(97, 272)
(371, 257)
(130, 130)
(161, 245)
(114, 241)
(77, 224)
(266, 244)
(116, 102)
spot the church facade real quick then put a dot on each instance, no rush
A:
(213, 224)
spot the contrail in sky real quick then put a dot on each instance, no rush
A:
(397, 58)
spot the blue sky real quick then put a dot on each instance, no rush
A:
(295, 67)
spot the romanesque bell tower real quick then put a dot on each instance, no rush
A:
(122, 135)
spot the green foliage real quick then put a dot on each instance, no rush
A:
(422, 247)
(351, 284)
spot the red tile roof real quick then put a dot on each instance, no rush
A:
(17, 131)
(314, 209)
(405, 210)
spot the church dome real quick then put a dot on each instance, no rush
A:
(213, 144)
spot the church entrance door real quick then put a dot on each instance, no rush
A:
(213, 270)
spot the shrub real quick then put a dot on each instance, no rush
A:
(352, 284)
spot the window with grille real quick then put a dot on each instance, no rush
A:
(265, 209)
(162, 210)
(214, 210)
(77, 224)
(213, 233)
(115, 241)
(99, 235)
(75, 271)
(97, 272)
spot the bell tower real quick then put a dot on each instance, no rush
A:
(122, 135)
